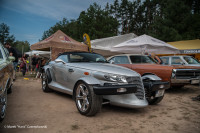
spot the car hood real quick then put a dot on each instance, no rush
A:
(104, 67)
(186, 67)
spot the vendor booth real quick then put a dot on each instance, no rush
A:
(130, 43)
(58, 43)
(144, 43)
(188, 47)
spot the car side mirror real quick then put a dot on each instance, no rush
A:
(11, 58)
(59, 60)
(112, 62)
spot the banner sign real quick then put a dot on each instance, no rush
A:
(190, 51)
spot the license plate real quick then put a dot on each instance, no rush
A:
(195, 81)
(160, 93)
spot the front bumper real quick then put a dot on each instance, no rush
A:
(114, 89)
(185, 81)
(156, 85)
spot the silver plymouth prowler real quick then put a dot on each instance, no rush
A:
(91, 80)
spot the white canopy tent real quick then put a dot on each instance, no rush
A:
(45, 54)
(103, 46)
(144, 43)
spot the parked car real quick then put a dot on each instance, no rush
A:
(180, 60)
(146, 66)
(6, 79)
(89, 79)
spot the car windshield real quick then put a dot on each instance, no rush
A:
(135, 59)
(86, 57)
(190, 60)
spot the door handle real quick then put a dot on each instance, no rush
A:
(70, 70)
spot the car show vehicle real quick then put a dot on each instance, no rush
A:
(91, 80)
(147, 67)
(6, 79)
(180, 60)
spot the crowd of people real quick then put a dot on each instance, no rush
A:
(26, 64)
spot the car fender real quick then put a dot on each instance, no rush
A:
(87, 80)
(90, 80)
(47, 71)
(8, 83)
(151, 77)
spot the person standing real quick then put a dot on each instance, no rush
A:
(156, 58)
(13, 52)
(33, 64)
(23, 65)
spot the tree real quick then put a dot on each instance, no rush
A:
(168, 20)
(4, 34)
(98, 23)
(22, 46)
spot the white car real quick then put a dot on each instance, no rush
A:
(180, 60)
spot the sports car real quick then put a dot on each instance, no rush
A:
(92, 81)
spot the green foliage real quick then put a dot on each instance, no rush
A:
(168, 20)
(22, 46)
(4, 34)
(97, 23)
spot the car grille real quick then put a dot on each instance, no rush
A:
(137, 81)
(187, 73)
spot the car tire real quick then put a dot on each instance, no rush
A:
(154, 100)
(87, 102)
(45, 82)
(9, 90)
(3, 102)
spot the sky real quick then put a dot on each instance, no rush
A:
(28, 19)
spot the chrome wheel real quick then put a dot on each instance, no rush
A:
(82, 98)
(44, 81)
(45, 86)
(3, 105)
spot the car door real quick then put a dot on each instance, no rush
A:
(165, 60)
(176, 61)
(60, 70)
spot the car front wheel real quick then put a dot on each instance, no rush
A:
(87, 102)
(3, 105)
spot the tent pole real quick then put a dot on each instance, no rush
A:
(51, 53)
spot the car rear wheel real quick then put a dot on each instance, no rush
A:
(87, 102)
(45, 86)
(3, 102)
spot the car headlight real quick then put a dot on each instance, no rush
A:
(116, 78)
(173, 73)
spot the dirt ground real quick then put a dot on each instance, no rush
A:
(30, 110)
